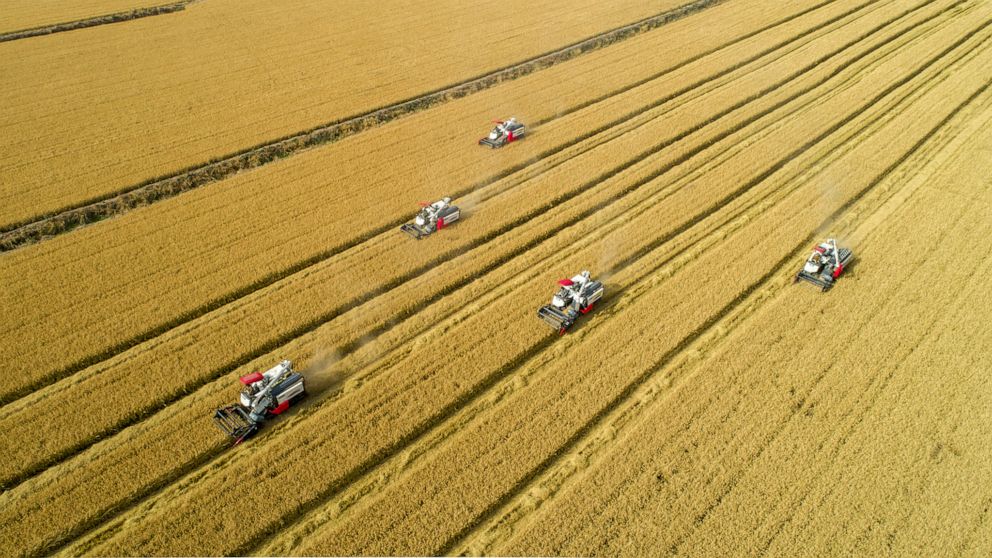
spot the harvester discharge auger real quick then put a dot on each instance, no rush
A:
(576, 297)
(433, 217)
(825, 264)
(263, 396)
(503, 133)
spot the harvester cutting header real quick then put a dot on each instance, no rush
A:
(504, 132)
(264, 395)
(576, 297)
(825, 264)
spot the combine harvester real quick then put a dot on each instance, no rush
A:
(432, 217)
(504, 132)
(825, 264)
(576, 297)
(263, 396)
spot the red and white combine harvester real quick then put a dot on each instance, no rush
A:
(433, 217)
(825, 264)
(576, 297)
(504, 132)
(263, 396)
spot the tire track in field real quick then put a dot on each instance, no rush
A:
(560, 150)
(980, 521)
(551, 481)
(912, 186)
(695, 416)
(896, 204)
(156, 189)
(873, 391)
(448, 289)
(673, 549)
(522, 489)
(117, 17)
(840, 443)
(246, 547)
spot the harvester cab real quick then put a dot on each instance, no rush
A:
(433, 217)
(825, 264)
(263, 396)
(575, 297)
(503, 133)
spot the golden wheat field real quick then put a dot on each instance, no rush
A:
(194, 191)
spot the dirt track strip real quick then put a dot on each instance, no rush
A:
(64, 408)
(41, 376)
(37, 229)
(326, 448)
(93, 22)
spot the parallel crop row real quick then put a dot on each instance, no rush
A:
(277, 219)
(815, 414)
(401, 400)
(73, 134)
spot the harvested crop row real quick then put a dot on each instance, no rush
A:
(286, 542)
(277, 309)
(327, 454)
(172, 437)
(532, 425)
(19, 15)
(121, 286)
(650, 461)
(65, 91)
(943, 198)
(890, 194)
(886, 259)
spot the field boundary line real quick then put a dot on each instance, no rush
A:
(63, 220)
(106, 19)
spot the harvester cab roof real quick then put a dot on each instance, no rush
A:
(263, 396)
(432, 217)
(575, 297)
(825, 264)
(504, 132)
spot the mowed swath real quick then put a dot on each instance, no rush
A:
(701, 409)
(226, 75)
